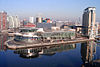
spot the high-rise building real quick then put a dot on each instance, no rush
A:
(13, 21)
(89, 22)
(31, 20)
(3, 20)
(39, 20)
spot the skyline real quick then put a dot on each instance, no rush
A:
(56, 9)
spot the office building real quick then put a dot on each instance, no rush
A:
(3, 20)
(89, 22)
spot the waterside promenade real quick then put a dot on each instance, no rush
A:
(14, 45)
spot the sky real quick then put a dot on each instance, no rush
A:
(56, 9)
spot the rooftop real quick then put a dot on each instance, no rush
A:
(90, 8)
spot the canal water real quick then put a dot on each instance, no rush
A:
(85, 54)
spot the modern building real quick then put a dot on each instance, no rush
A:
(31, 20)
(3, 20)
(39, 20)
(13, 21)
(58, 35)
(89, 22)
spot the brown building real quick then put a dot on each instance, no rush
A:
(3, 20)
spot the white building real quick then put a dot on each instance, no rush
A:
(13, 21)
(31, 20)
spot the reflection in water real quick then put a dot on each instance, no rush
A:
(48, 50)
(88, 51)
(27, 53)
(3, 38)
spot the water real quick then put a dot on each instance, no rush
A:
(73, 55)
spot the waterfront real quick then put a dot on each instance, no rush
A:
(69, 55)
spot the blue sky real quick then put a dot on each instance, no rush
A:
(57, 9)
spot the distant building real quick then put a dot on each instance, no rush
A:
(65, 26)
(89, 22)
(31, 19)
(3, 21)
(47, 20)
(55, 28)
(30, 25)
(45, 26)
(21, 24)
(25, 21)
(96, 28)
(39, 20)
(13, 21)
